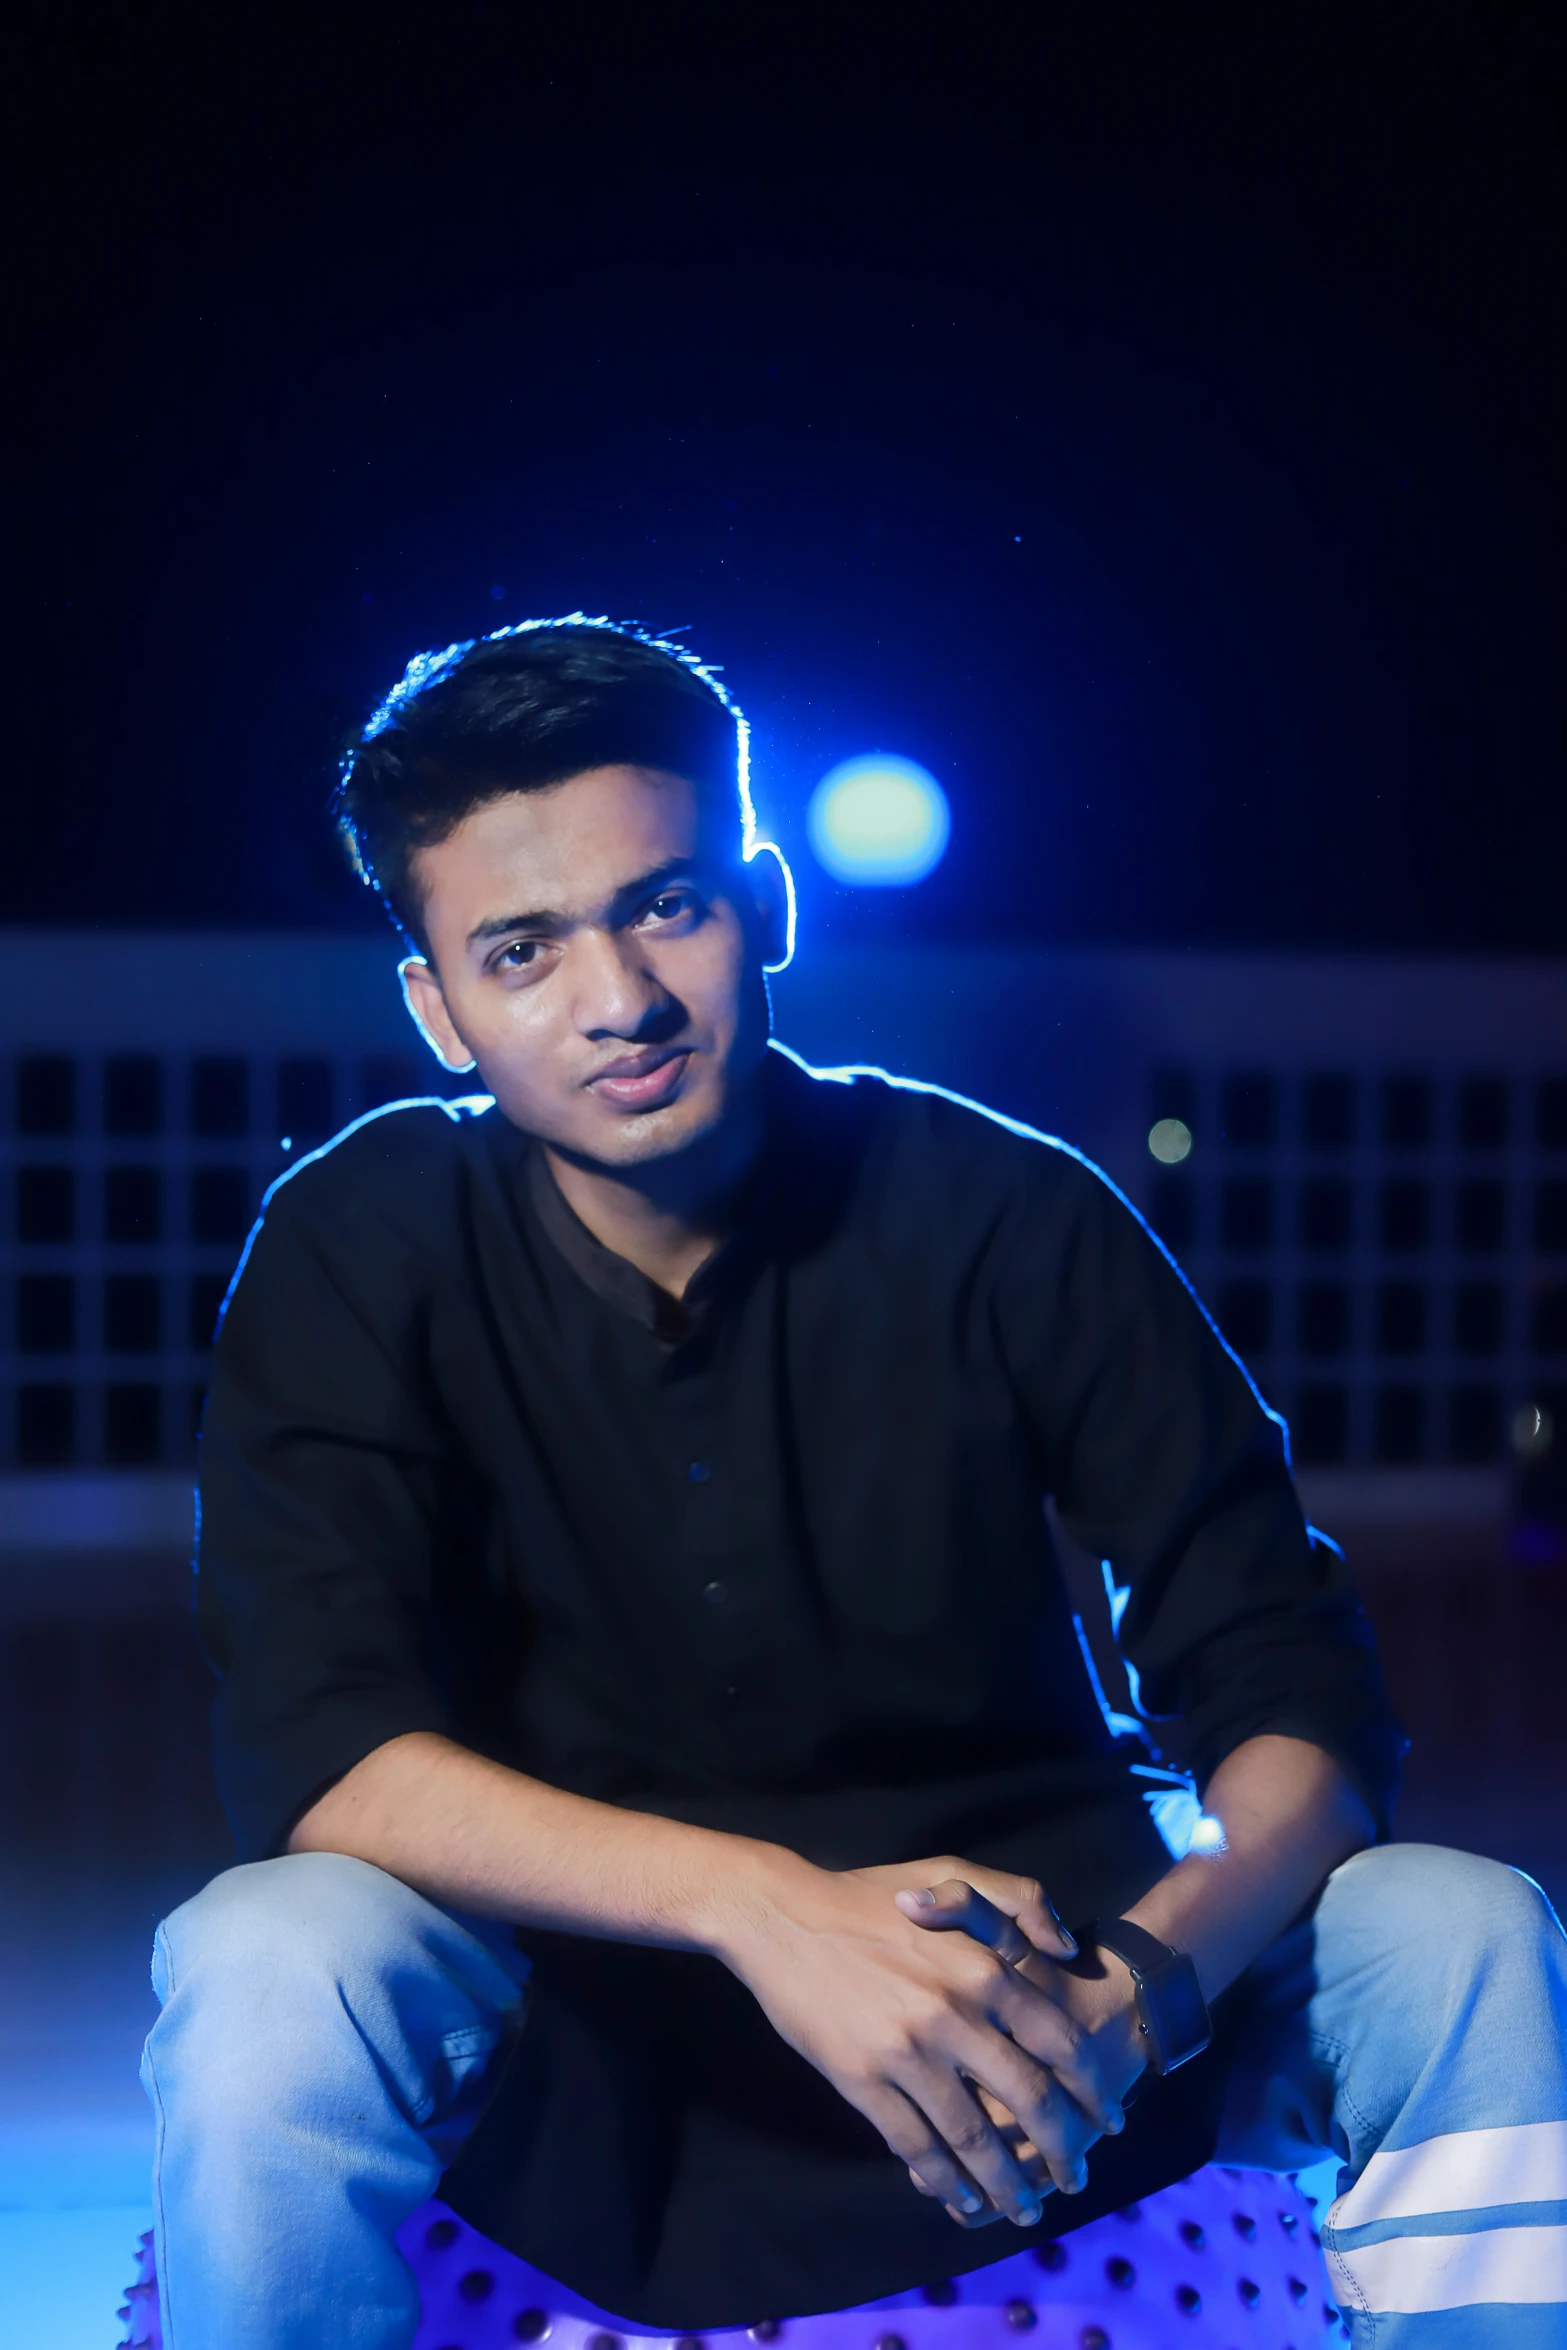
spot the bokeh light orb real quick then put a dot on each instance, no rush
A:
(1534, 1431)
(879, 822)
(1170, 1141)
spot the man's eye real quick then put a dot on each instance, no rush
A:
(518, 955)
(672, 903)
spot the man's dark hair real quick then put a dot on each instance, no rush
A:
(516, 711)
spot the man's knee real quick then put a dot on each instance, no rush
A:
(298, 1990)
(1440, 1997)
(317, 1968)
(1441, 1917)
(308, 1915)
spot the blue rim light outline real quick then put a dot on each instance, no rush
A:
(878, 821)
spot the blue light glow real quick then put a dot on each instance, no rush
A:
(879, 822)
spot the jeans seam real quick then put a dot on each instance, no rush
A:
(1334, 2054)
(1340, 2268)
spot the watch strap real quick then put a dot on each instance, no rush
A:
(1143, 1952)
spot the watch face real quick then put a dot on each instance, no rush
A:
(1173, 2008)
(1182, 2012)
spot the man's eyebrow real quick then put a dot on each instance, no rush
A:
(497, 925)
(553, 924)
(648, 885)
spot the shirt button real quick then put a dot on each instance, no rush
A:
(715, 1593)
(699, 1472)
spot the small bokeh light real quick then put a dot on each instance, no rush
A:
(1533, 1431)
(879, 822)
(1170, 1141)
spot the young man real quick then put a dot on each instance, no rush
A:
(625, 1559)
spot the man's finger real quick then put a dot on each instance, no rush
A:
(931, 2163)
(986, 2217)
(953, 2110)
(1022, 1901)
(955, 1907)
(1040, 2116)
(1025, 1899)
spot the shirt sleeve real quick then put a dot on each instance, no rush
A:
(1164, 1461)
(322, 1482)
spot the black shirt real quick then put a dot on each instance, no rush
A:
(775, 1561)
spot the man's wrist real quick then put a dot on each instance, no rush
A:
(1173, 2021)
(1099, 1994)
(743, 1892)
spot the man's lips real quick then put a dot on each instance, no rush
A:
(640, 1081)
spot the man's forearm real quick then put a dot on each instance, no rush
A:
(1289, 1817)
(476, 1836)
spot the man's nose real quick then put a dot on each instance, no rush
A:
(615, 993)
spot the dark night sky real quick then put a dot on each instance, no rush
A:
(1152, 423)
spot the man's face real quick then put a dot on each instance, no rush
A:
(598, 951)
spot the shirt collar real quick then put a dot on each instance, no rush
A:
(795, 1186)
(614, 1278)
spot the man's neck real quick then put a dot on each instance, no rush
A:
(669, 1217)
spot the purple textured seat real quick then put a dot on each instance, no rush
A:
(1226, 2259)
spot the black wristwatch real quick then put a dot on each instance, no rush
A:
(1171, 2009)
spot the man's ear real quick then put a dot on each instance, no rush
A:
(427, 1010)
(772, 890)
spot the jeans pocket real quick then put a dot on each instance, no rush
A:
(459, 2087)
(463, 2057)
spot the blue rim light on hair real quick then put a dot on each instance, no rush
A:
(879, 821)
(427, 669)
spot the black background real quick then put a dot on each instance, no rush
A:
(1147, 417)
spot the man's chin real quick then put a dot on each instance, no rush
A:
(638, 1138)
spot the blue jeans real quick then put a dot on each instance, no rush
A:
(325, 2032)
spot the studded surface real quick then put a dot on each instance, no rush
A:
(139, 2310)
(1224, 2259)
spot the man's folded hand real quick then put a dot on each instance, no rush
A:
(963, 2045)
(1016, 1918)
